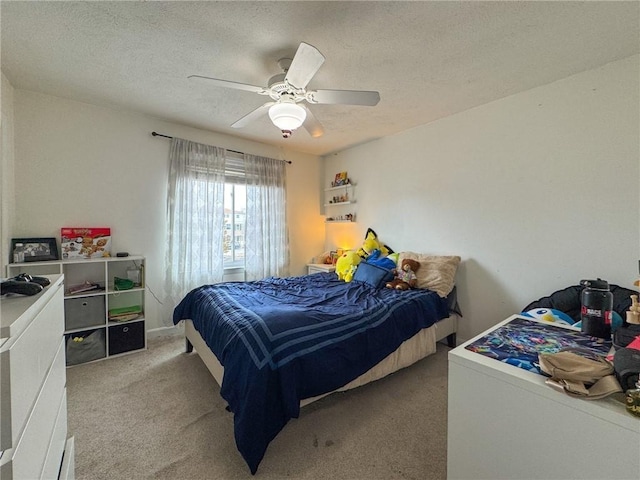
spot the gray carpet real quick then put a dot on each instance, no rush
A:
(158, 414)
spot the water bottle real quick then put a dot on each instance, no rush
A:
(597, 308)
(18, 253)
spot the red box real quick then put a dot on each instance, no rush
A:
(85, 242)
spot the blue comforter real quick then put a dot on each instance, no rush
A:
(281, 340)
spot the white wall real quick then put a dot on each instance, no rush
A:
(7, 200)
(83, 165)
(535, 191)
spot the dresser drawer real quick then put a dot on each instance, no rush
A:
(67, 470)
(55, 452)
(25, 365)
(30, 452)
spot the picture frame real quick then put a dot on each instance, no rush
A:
(40, 249)
(341, 179)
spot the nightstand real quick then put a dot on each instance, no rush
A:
(320, 267)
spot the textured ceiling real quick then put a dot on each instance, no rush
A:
(427, 59)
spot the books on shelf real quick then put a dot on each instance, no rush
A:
(83, 287)
(124, 314)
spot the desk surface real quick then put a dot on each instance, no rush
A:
(610, 409)
(505, 422)
(13, 306)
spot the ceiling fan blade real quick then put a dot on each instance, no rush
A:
(306, 62)
(251, 116)
(312, 125)
(229, 84)
(344, 97)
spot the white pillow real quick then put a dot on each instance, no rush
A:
(436, 272)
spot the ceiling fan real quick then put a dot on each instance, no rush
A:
(288, 89)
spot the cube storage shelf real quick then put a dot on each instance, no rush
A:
(90, 294)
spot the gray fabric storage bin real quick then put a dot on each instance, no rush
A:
(84, 312)
(92, 347)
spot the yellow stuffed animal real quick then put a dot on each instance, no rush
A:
(347, 264)
(371, 243)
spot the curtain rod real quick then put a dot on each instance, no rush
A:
(156, 134)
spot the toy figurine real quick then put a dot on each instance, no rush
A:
(633, 314)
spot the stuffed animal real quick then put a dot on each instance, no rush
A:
(371, 243)
(378, 260)
(405, 277)
(346, 265)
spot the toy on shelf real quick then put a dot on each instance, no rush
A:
(349, 217)
(341, 179)
(633, 314)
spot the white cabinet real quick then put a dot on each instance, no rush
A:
(505, 422)
(319, 267)
(104, 301)
(33, 424)
(338, 203)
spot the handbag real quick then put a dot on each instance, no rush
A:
(579, 376)
(626, 363)
(625, 334)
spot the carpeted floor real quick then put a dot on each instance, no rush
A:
(158, 414)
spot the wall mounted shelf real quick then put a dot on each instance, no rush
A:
(337, 197)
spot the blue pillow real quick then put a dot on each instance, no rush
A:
(372, 274)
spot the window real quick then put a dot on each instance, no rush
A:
(224, 209)
(235, 212)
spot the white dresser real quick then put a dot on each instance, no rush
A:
(505, 422)
(33, 396)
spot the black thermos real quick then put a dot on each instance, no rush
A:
(597, 308)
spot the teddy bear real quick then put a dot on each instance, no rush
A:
(406, 276)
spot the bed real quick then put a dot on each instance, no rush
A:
(277, 344)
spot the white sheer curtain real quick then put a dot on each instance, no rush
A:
(195, 217)
(266, 235)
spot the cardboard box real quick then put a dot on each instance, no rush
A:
(85, 242)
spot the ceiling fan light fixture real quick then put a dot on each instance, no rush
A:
(287, 115)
